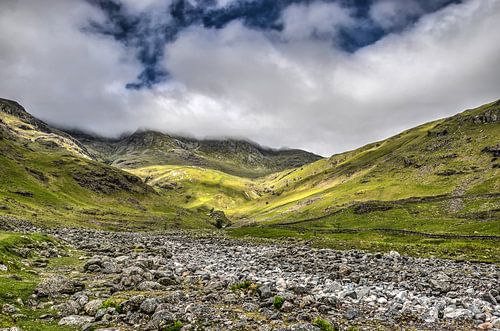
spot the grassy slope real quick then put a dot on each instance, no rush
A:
(194, 187)
(45, 182)
(415, 163)
(434, 178)
(420, 162)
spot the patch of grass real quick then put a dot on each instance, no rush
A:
(278, 302)
(373, 241)
(245, 285)
(323, 324)
(18, 282)
(176, 326)
(113, 302)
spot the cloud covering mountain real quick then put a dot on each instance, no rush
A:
(321, 75)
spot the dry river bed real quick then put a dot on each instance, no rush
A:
(138, 281)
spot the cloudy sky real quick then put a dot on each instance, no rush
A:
(326, 76)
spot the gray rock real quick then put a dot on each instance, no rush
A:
(9, 309)
(441, 282)
(150, 286)
(148, 306)
(56, 285)
(75, 320)
(458, 314)
(161, 319)
(393, 255)
(265, 292)
(249, 307)
(68, 308)
(109, 267)
(287, 306)
(302, 327)
(132, 304)
(92, 307)
(351, 314)
(488, 297)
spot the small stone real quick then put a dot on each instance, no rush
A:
(351, 314)
(287, 307)
(149, 286)
(75, 320)
(92, 307)
(68, 308)
(250, 307)
(9, 309)
(488, 297)
(281, 284)
(161, 318)
(382, 300)
(485, 326)
(344, 270)
(265, 292)
(148, 306)
(459, 314)
(440, 282)
(3, 268)
(401, 296)
(393, 255)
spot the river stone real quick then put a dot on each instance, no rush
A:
(75, 320)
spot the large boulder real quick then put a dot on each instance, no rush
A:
(56, 285)
(75, 320)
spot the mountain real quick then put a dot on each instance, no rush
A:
(48, 176)
(440, 176)
(439, 179)
(235, 157)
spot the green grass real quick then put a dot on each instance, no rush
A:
(374, 241)
(176, 326)
(20, 281)
(323, 324)
(113, 302)
(278, 302)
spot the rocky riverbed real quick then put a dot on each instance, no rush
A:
(137, 281)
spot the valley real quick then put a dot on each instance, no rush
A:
(156, 232)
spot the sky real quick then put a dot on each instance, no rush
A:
(322, 75)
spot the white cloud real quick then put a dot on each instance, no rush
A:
(58, 72)
(318, 19)
(274, 89)
(394, 13)
(138, 6)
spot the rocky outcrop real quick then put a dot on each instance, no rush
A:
(489, 116)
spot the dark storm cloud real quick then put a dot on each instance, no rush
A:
(148, 31)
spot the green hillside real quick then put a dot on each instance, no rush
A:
(447, 167)
(439, 178)
(50, 178)
(455, 157)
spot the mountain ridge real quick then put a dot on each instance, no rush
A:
(234, 156)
